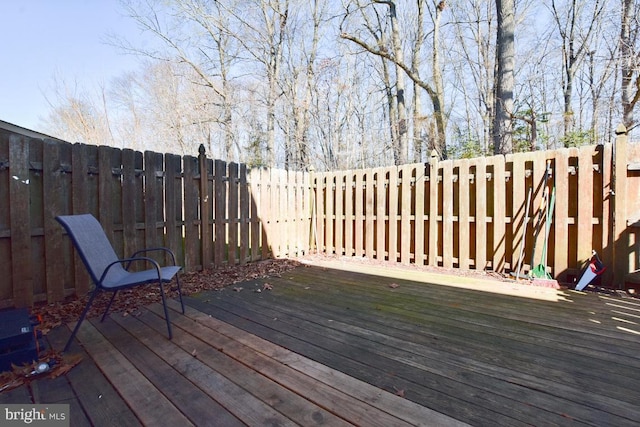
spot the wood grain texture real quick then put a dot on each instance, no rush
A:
(477, 356)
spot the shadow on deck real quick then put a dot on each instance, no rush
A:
(359, 346)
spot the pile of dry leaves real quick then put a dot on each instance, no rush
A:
(51, 364)
(129, 301)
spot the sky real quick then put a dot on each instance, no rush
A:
(42, 39)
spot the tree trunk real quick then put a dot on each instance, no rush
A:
(437, 98)
(505, 53)
(401, 149)
(629, 99)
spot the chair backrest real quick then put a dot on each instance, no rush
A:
(92, 245)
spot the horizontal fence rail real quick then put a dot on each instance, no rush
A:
(468, 214)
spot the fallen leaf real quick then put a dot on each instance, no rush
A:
(399, 392)
(267, 287)
(393, 285)
(237, 289)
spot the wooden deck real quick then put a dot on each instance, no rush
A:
(344, 344)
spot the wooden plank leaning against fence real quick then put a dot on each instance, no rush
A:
(459, 214)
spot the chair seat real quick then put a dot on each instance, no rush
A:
(141, 277)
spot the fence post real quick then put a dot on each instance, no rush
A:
(205, 235)
(620, 233)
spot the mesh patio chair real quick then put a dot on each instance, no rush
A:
(108, 272)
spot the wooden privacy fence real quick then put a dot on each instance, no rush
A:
(142, 200)
(466, 214)
(472, 213)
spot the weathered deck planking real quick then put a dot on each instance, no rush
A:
(92, 399)
(334, 346)
(482, 358)
(211, 373)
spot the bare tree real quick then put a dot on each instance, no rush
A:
(474, 71)
(261, 32)
(299, 81)
(392, 80)
(420, 130)
(630, 58)
(194, 33)
(396, 46)
(76, 115)
(576, 33)
(434, 90)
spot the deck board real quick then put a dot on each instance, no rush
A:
(182, 393)
(91, 389)
(149, 404)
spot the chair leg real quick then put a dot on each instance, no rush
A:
(180, 293)
(108, 305)
(166, 310)
(82, 316)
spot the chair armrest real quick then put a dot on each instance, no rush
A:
(141, 251)
(129, 261)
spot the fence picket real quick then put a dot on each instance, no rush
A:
(607, 242)
(499, 213)
(129, 203)
(359, 206)
(463, 214)
(349, 218)
(447, 214)
(392, 194)
(381, 212)
(173, 205)
(83, 191)
(192, 221)
(406, 214)
(585, 212)
(518, 207)
(369, 214)
(419, 216)
(561, 217)
(245, 206)
(20, 222)
(153, 200)
(233, 213)
(253, 184)
(339, 213)
(481, 214)
(433, 211)
(54, 195)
